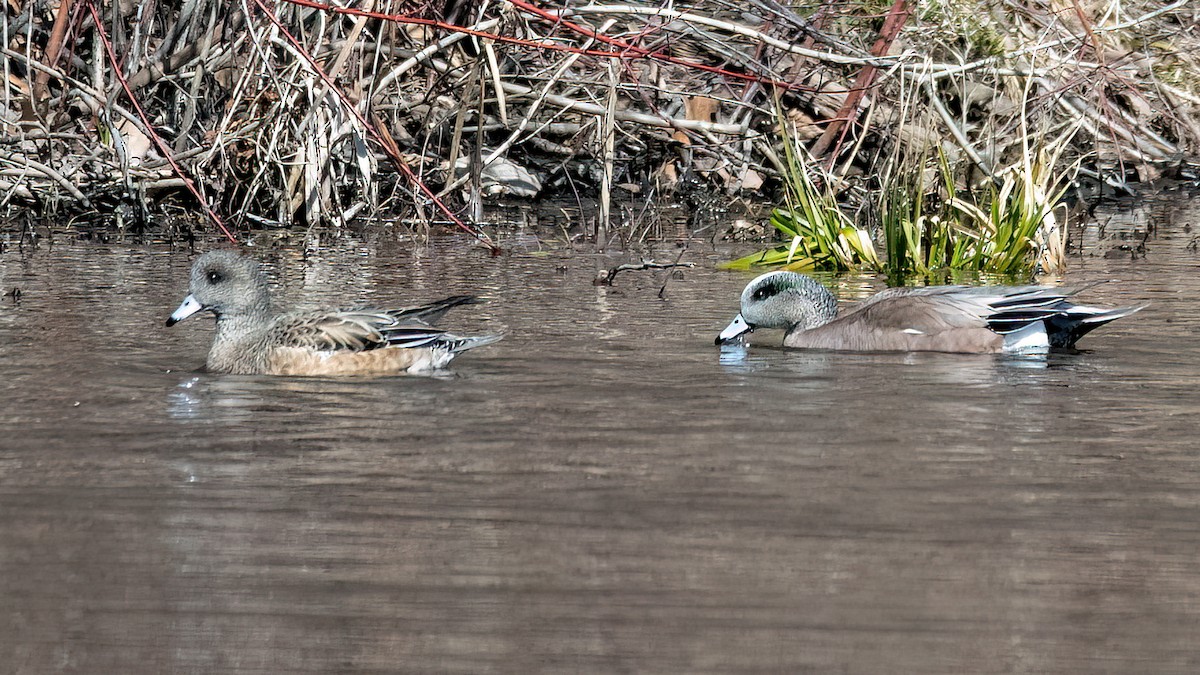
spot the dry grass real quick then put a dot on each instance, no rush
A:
(297, 113)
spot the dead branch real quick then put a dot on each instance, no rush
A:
(606, 277)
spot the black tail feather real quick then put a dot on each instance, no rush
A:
(433, 312)
(1065, 321)
(1012, 320)
(1066, 328)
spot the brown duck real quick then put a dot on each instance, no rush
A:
(254, 338)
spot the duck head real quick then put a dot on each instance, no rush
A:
(784, 300)
(226, 284)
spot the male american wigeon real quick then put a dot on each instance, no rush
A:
(255, 338)
(962, 319)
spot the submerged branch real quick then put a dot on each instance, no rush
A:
(606, 277)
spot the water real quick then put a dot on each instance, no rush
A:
(603, 491)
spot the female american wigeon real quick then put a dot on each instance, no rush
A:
(254, 338)
(975, 320)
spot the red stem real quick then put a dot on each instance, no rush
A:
(388, 148)
(866, 77)
(158, 141)
(626, 50)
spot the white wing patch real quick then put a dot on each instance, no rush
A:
(913, 331)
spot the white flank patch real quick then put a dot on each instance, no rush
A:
(1031, 339)
(431, 358)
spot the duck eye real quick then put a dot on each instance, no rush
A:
(215, 277)
(765, 292)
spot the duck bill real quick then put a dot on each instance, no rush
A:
(736, 329)
(188, 307)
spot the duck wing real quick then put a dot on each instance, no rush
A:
(930, 309)
(1000, 308)
(962, 319)
(934, 318)
(355, 330)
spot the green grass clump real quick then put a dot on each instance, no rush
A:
(1010, 228)
(819, 235)
(919, 238)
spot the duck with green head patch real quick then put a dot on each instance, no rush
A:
(962, 319)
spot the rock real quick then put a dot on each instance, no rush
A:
(502, 177)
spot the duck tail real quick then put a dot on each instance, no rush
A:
(1075, 321)
(458, 343)
(432, 312)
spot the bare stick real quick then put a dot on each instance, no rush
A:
(605, 278)
(607, 139)
(47, 172)
(662, 291)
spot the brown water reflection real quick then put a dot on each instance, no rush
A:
(603, 491)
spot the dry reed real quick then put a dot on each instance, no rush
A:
(301, 112)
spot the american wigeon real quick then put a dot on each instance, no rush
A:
(254, 338)
(976, 320)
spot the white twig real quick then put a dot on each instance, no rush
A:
(426, 54)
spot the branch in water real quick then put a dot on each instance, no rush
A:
(605, 277)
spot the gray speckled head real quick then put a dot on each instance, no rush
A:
(787, 300)
(228, 285)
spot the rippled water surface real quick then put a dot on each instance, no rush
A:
(603, 491)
